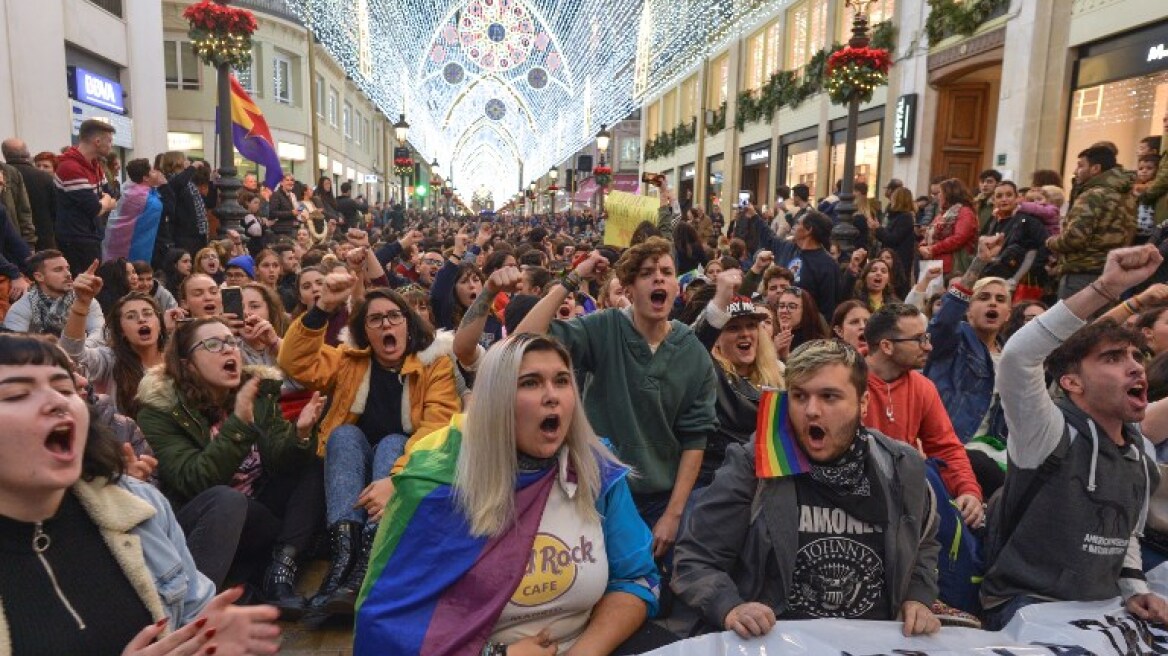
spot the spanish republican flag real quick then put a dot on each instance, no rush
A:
(776, 452)
(253, 139)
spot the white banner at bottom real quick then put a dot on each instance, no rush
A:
(1061, 629)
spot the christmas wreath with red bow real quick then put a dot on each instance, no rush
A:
(220, 34)
(854, 73)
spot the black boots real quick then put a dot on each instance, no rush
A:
(345, 598)
(346, 545)
(279, 586)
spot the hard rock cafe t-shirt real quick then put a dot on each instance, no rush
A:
(567, 574)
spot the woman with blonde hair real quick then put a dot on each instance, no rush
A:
(523, 473)
(207, 261)
(745, 360)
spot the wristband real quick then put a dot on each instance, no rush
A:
(571, 282)
(1130, 307)
(1098, 289)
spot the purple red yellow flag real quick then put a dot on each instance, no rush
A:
(253, 139)
(776, 453)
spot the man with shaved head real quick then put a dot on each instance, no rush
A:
(38, 185)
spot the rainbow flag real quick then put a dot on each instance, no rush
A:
(776, 453)
(432, 588)
(253, 139)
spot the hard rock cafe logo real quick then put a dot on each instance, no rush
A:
(551, 570)
(837, 577)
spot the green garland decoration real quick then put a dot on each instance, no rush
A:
(949, 17)
(665, 143)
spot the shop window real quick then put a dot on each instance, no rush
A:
(1088, 102)
(334, 104)
(347, 121)
(878, 12)
(806, 32)
(867, 156)
(282, 79)
(181, 64)
(801, 160)
(1122, 112)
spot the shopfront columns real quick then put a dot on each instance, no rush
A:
(1035, 71)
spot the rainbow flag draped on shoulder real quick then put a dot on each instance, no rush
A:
(447, 602)
(253, 139)
(776, 453)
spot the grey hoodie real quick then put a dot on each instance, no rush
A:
(1077, 537)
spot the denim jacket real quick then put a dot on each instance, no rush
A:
(960, 366)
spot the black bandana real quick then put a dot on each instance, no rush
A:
(848, 482)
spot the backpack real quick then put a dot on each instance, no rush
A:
(960, 563)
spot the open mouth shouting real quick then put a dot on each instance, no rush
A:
(145, 332)
(1137, 395)
(658, 298)
(61, 440)
(549, 428)
(231, 367)
(210, 309)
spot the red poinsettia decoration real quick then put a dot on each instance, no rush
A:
(602, 170)
(214, 17)
(877, 59)
(403, 161)
(602, 175)
(551, 189)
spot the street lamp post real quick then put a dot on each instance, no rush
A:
(553, 174)
(844, 232)
(433, 176)
(228, 209)
(602, 140)
(401, 130)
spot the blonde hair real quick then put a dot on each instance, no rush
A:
(982, 283)
(1054, 195)
(766, 370)
(484, 481)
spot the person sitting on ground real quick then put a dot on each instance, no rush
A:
(43, 309)
(88, 550)
(389, 388)
(522, 473)
(744, 527)
(214, 423)
(905, 406)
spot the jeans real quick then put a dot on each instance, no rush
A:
(350, 464)
(213, 522)
(230, 535)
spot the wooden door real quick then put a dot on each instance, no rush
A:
(959, 148)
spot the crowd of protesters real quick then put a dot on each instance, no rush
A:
(502, 432)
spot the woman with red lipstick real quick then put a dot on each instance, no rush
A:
(391, 385)
(215, 423)
(91, 563)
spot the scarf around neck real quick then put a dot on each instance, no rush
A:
(48, 314)
(848, 482)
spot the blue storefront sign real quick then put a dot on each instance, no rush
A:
(93, 89)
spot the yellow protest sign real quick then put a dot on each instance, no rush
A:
(625, 212)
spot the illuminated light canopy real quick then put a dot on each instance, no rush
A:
(501, 88)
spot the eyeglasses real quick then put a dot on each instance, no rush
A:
(788, 306)
(393, 318)
(215, 344)
(134, 315)
(921, 339)
(432, 261)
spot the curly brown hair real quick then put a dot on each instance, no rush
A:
(632, 259)
(128, 368)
